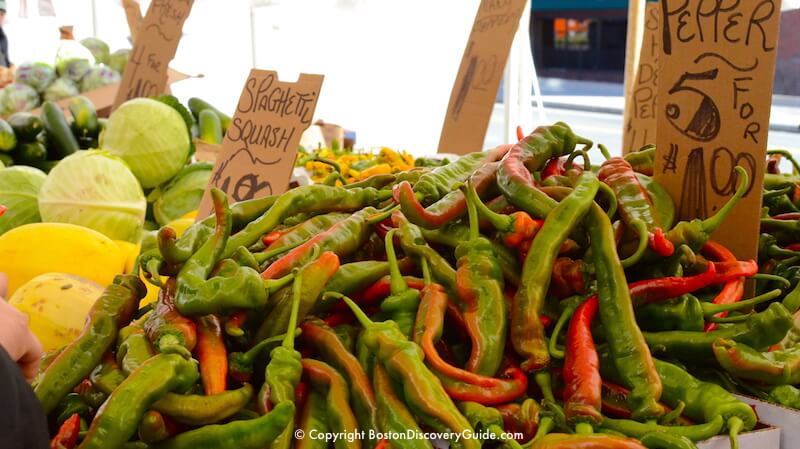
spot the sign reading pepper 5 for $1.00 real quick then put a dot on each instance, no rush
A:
(717, 65)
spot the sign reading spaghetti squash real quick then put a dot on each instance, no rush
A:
(260, 147)
(717, 65)
(154, 47)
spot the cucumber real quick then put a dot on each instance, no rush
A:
(26, 126)
(8, 140)
(62, 141)
(209, 127)
(31, 153)
(6, 160)
(196, 105)
(85, 117)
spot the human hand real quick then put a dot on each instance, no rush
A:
(16, 338)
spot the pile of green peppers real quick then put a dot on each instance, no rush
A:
(522, 297)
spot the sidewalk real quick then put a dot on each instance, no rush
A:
(593, 96)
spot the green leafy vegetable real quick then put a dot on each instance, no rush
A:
(19, 187)
(97, 190)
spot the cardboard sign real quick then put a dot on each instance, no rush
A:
(479, 76)
(260, 146)
(640, 106)
(133, 14)
(146, 72)
(714, 94)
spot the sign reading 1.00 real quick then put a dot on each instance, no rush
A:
(714, 94)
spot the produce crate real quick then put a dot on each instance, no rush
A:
(788, 420)
(763, 437)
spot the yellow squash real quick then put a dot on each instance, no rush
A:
(56, 304)
(37, 248)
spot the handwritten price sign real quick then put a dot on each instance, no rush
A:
(155, 46)
(640, 106)
(260, 147)
(714, 95)
(479, 76)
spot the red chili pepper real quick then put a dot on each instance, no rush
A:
(301, 394)
(3, 210)
(382, 444)
(67, 436)
(212, 355)
(733, 290)
(732, 270)
(270, 238)
(773, 164)
(582, 393)
(459, 383)
(791, 216)
(659, 289)
(338, 318)
(382, 288)
(234, 324)
(569, 277)
(793, 247)
(520, 133)
(451, 206)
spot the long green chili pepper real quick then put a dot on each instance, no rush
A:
(134, 347)
(759, 331)
(452, 234)
(403, 361)
(233, 287)
(314, 277)
(324, 378)
(313, 198)
(241, 363)
(333, 351)
(313, 418)
(630, 352)
(401, 305)
(643, 160)
(698, 432)
(569, 304)
(527, 332)
(486, 420)
(414, 244)
(308, 229)
(703, 402)
(355, 277)
(284, 370)
(247, 434)
(696, 233)
(529, 155)
(780, 367)
(109, 313)
(635, 203)
(393, 415)
(479, 283)
(200, 410)
(116, 422)
(441, 181)
(688, 313)
(343, 238)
